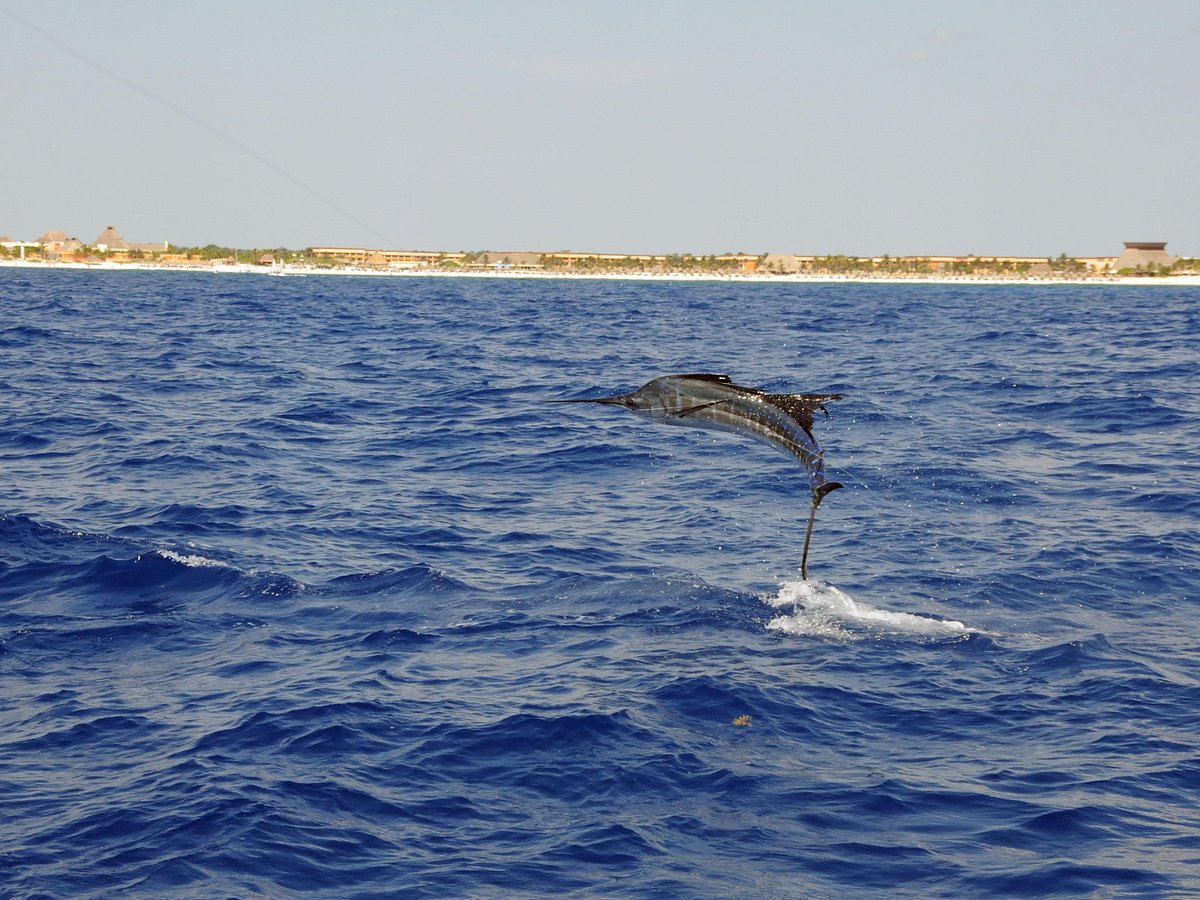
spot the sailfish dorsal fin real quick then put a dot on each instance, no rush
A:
(802, 405)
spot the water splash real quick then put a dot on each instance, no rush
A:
(193, 561)
(821, 610)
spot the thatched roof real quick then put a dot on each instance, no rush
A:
(52, 237)
(111, 239)
(1143, 255)
(781, 262)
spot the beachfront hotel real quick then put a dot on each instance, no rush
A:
(58, 245)
(743, 263)
(1138, 258)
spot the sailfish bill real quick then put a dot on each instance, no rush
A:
(711, 401)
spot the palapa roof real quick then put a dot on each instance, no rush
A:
(783, 262)
(52, 237)
(111, 239)
(1143, 255)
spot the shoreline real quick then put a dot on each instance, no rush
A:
(795, 278)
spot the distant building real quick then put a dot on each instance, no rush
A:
(21, 246)
(1097, 265)
(55, 245)
(569, 259)
(110, 241)
(782, 263)
(744, 262)
(53, 241)
(1144, 255)
(394, 258)
(508, 260)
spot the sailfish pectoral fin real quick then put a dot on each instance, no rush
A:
(691, 410)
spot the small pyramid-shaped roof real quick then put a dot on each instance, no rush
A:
(111, 239)
(52, 237)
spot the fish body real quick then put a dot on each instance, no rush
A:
(714, 402)
(711, 401)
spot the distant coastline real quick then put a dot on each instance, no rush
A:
(301, 270)
(1141, 262)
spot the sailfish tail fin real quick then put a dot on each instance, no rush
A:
(819, 493)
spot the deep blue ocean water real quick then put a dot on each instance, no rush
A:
(305, 590)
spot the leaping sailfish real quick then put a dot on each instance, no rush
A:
(713, 401)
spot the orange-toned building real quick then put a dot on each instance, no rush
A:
(397, 258)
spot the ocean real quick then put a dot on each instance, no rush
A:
(306, 590)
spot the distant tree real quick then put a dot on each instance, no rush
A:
(1065, 265)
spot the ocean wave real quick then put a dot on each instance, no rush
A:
(307, 591)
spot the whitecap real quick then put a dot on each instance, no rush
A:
(822, 610)
(193, 560)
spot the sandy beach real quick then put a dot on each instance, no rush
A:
(302, 271)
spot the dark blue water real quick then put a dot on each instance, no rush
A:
(304, 589)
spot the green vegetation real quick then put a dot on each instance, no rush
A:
(626, 265)
(1065, 265)
(1062, 266)
(210, 252)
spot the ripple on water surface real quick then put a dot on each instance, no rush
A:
(304, 588)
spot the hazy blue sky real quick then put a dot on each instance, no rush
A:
(803, 127)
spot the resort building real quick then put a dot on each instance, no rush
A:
(55, 245)
(20, 246)
(743, 262)
(568, 259)
(399, 259)
(110, 241)
(1144, 255)
(523, 260)
(57, 242)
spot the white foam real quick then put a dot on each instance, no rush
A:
(821, 610)
(192, 560)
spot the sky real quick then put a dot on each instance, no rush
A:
(1022, 128)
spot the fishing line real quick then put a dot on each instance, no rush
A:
(199, 123)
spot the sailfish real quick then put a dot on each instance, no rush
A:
(707, 400)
